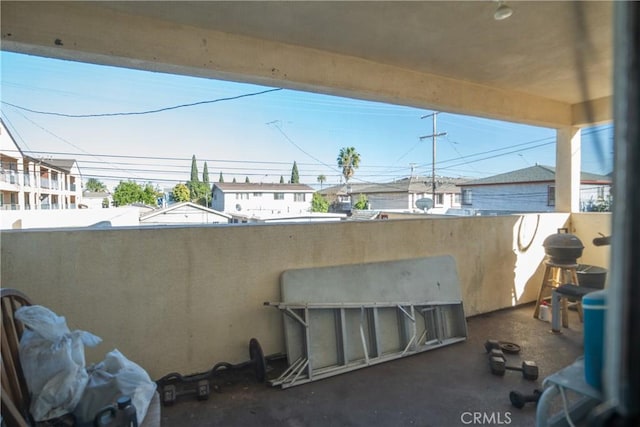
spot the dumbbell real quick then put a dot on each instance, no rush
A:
(170, 392)
(519, 400)
(498, 363)
(491, 345)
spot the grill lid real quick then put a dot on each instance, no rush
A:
(563, 248)
(563, 240)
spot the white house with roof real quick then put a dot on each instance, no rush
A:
(530, 189)
(262, 199)
(401, 195)
(96, 200)
(185, 213)
(28, 183)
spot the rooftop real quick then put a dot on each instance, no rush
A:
(415, 184)
(537, 173)
(242, 186)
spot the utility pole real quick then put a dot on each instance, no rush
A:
(433, 137)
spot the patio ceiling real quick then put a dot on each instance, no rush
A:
(549, 64)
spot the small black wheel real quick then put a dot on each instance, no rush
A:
(509, 347)
(257, 358)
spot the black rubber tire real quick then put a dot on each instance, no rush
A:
(257, 357)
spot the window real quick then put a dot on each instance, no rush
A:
(257, 194)
(440, 199)
(299, 197)
(242, 196)
(466, 197)
(551, 195)
(278, 196)
(456, 198)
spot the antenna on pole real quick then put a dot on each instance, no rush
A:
(433, 137)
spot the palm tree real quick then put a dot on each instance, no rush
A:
(349, 160)
(321, 179)
(95, 185)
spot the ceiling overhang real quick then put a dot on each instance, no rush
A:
(525, 69)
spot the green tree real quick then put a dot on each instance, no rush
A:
(206, 186)
(221, 178)
(181, 193)
(319, 203)
(321, 179)
(234, 179)
(281, 179)
(128, 192)
(362, 202)
(105, 202)
(95, 185)
(194, 170)
(295, 176)
(205, 174)
(246, 180)
(150, 195)
(349, 160)
(198, 191)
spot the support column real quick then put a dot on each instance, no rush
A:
(20, 177)
(38, 185)
(568, 169)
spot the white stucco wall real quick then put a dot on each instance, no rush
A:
(51, 218)
(161, 297)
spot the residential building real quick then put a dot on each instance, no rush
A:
(531, 189)
(31, 183)
(96, 199)
(401, 196)
(261, 199)
(184, 213)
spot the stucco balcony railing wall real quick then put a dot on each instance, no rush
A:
(181, 299)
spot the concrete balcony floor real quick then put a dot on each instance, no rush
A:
(433, 388)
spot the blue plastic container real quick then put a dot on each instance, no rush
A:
(594, 306)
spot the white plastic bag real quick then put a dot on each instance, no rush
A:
(52, 359)
(115, 376)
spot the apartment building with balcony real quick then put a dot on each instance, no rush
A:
(28, 183)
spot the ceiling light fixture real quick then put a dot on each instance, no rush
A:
(502, 12)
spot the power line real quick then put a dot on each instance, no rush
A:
(502, 154)
(60, 138)
(15, 130)
(275, 124)
(138, 113)
(390, 170)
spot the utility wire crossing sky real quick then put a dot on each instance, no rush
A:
(122, 124)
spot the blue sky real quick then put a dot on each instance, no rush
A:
(256, 136)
